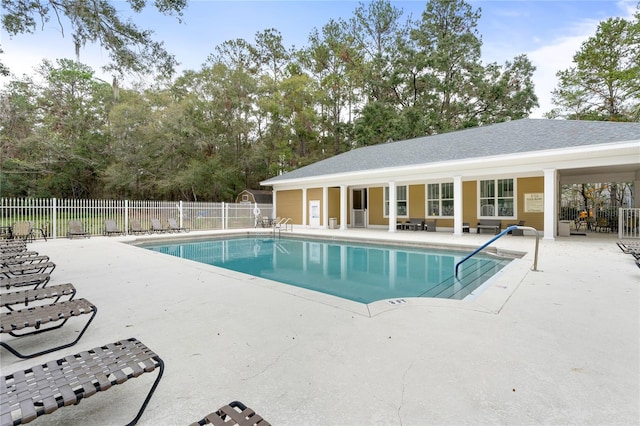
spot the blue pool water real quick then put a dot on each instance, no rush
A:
(356, 271)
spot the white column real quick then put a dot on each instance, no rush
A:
(550, 203)
(636, 188)
(325, 207)
(304, 206)
(343, 207)
(274, 200)
(457, 205)
(393, 207)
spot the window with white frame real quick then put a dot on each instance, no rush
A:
(402, 201)
(440, 199)
(497, 197)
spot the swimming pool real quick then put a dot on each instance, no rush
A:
(360, 272)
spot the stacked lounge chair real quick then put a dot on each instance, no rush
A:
(21, 267)
(28, 394)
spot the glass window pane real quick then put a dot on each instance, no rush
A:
(447, 207)
(447, 190)
(433, 208)
(487, 207)
(505, 207)
(433, 190)
(505, 188)
(402, 208)
(487, 188)
(401, 193)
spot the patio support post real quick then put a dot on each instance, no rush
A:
(457, 205)
(325, 207)
(636, 188)
(274, 202)
(550, 203)
(393, 207)
(343, 207)
(304, 206)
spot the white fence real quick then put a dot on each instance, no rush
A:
(629, 223)
(52, 215)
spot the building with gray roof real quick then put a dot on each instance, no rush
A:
(455, 177)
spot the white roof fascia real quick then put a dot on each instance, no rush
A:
(529, 163)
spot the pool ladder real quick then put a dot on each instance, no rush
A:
(506, 231)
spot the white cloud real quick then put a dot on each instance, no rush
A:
(558, 55)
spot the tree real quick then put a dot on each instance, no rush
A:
(450, 52)
(56, 130)
(4, 71)
(330, 59)
(604, 83)
(375, 28)
(130, 48)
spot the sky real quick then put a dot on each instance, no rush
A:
(549, 32)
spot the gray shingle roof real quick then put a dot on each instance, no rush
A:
(512, 137)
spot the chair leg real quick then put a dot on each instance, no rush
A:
(150, 394)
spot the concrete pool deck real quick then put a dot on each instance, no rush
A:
(556, 346)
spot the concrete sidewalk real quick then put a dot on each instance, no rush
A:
(557, 346)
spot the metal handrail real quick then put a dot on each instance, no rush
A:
(506, 231)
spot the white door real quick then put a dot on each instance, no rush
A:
(314, 213)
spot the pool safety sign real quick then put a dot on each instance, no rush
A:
(534, 203)
(314, 213)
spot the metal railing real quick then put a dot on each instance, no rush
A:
(506, 231)
(52, 215)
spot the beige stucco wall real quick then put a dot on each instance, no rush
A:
(289, 204)
(376, 207)
(527, 186)
(334, 203)
(416, 201)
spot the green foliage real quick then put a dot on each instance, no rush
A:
(254, 109)
(130, 48)
(604, 83)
